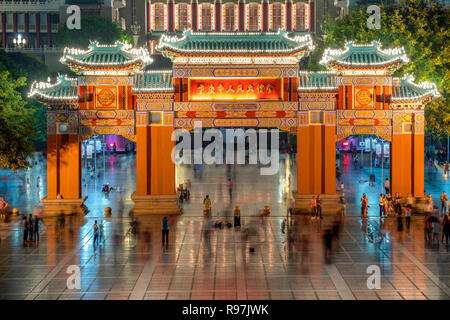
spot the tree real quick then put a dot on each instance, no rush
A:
(16, 124)
(28, 66)
(92, 28)
(421, 27)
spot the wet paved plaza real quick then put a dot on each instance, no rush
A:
(202, 262)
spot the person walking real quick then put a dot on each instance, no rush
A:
(96, 233)
(387, 186)
(436, 228)
(30, 228)
(165, 231)
(408, 212)
(313, 206)
(444, 200)
(230, 189)
(427, 227)
(389, 204)
(319, 206)
(445, 229)
(341, 186)
(381, 204)
(372, 180)
(397, 205)
(364, 205)
(207, 205)
(25, 229)
(343, 204)
(101, 232)
(36, 228)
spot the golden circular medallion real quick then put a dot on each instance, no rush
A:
(364, 97)
(105, 97)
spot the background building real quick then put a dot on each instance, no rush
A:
(38, 21)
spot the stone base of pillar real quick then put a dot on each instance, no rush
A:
(330, 203)
(155, 204)
(53, 207)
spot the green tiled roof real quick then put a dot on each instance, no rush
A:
(153, 81)
(317, 81)
(65, 89)
(107, 56)
(406, 90)
(235, 43)
(363, 55)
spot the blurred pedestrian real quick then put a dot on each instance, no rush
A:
(101, 232)
(25, 228)
(444, 200)
(165, 231)
(436, 228)
(319, 206)
(328, 244)
(408, 212)
(364, 205)
(445, 229)
(36, 228)
(313, 206)
(343, 204)
(381, 204)
(96, 233)
(387, 186)
(230, 189)
(30, 228)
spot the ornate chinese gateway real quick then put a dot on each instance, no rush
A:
(231, 80)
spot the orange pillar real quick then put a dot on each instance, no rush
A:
(316, 160)
(70, 167)
(162, 166)
(418, 165)
(63, 166)
(155, 173)
(143, 161)
(401, 164)
(52, 166)
(329, 159)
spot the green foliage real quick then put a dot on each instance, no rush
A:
(421, 27)
(16, 124)
(30, 67)
(92, 28)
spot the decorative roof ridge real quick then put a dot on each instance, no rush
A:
(130, 54)
(38, 88)
(175, 43)
(339, 55)
(423, 88)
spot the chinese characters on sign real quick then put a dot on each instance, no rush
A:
(235, 89)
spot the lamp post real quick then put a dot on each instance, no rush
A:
(19, 42)
(135, 28)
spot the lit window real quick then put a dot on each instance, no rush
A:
(253, 17)
(276, 16)
(158, 13)
(183, 18)
(206, 17)
(300, 22)
(229, 17)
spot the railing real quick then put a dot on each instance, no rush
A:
(44, 49)
(29, 5)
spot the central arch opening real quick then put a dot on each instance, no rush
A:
(246, 167)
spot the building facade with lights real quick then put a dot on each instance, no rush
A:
(38, 21)
(229, 80)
